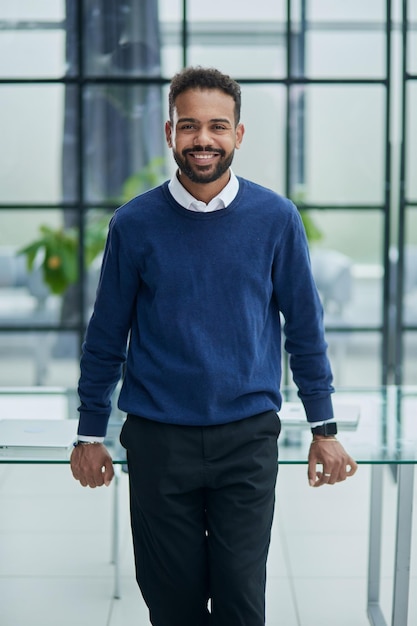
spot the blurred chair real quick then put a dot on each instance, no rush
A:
(332, 272)
(25, 300)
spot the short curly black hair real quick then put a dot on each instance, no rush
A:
(204, 78)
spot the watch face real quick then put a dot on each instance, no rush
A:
(325, 429)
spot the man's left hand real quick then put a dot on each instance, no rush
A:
(336, 463)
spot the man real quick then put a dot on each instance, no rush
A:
(194, 276)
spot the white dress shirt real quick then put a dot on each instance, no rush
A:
(221, 201)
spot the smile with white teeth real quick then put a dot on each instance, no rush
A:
(203, 157)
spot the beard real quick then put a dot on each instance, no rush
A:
(203, 173)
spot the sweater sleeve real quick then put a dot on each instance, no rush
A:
(105, 346)
(300, 305)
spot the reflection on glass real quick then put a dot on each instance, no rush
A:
(328, 10)
(39, 358)
(344, 143)
(411, 141)
(410, 281)
(355, 358)
(412, 52)
(31, 130)
(28, 259)
(28, 54)
(39, 272)
(122, 38)
(410, 358)
(351, 292)
(124, 141)
(236, 12)
(347, 262)
(345, 54)
(252, 59)
(357, 233)
(24, 295)
(261, 157)
(241, 39)
(171, 59)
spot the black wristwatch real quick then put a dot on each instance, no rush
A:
(327, 429)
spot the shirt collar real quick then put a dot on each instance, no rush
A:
(221, 201)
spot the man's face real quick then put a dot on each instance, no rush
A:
(203, 136)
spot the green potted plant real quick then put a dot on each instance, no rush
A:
(55, 251)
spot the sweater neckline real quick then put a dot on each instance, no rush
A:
(178, 208)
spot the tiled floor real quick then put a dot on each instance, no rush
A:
(55, 552)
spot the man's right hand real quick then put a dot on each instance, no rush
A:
(92, 465)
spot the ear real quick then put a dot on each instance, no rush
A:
(168, 133)
(240, 131)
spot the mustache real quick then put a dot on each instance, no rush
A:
(202, 149)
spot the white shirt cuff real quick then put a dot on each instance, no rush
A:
(91, 439)
(320, 423)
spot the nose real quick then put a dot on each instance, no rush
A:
(203, 137)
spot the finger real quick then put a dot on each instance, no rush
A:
(320, 480)
(312, 473)
(89, 477)
(351, 467)
(331, 474)
(108, 473)
(347, 467)
(75, 470)
(102, 475)
(337, 473)
(329, 477)
(97, 479)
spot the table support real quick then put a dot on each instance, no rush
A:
(400, 599)
(115, 556)
(375, 615)
(403, 544)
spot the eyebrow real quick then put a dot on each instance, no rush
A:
(223, 120)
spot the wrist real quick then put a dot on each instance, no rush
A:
(86, 443)
(318, 439)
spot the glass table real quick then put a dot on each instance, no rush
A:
(385, 434)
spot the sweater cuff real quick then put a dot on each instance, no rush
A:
(318, 410)
(92, 425)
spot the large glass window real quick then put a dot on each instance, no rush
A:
(84, 100)
(344, 144)
(411, 141)
(406, 259)
(31, 125)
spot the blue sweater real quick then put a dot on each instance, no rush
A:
(190, 303)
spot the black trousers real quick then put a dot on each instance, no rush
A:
(202, 502)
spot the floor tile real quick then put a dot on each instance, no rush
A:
(55, 551)
(280, 602)
(49, 601)
(327, 555)
(329, 601)
(47, 498)
(130, 609)
(55, 554)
